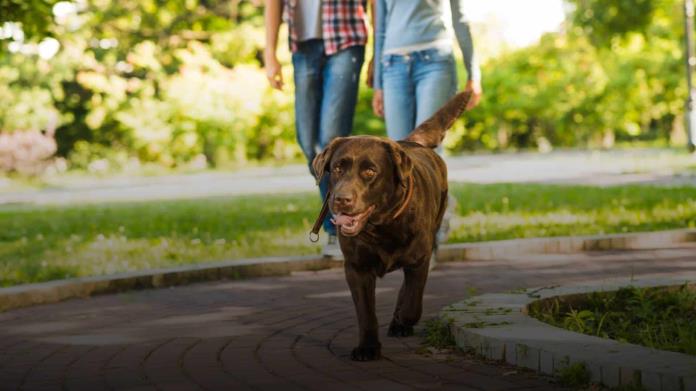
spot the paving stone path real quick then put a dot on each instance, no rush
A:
(285, 333)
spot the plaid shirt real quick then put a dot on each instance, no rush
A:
(343, 24)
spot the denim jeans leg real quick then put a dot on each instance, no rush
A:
(307, 64)
(435, 76)
(436, 83)
(341, 78)
(307, 61)
(399, 97)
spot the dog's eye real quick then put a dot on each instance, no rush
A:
(337, 170)
(369, 173)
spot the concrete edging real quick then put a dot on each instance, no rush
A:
(497, 327)
(564, 245)
(54, 291)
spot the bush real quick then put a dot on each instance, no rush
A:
(26, 152)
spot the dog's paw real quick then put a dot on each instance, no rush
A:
(398, 330)
(366, 353)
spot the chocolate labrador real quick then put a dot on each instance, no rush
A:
(387, 199)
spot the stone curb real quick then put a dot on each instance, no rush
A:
(54, 291)
(497, 327)
(563, 245)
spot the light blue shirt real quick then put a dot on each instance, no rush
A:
(404, 24)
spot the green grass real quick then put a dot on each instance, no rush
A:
(44, 243)
(40, 243)
(574, 376)
(506, 211)
(655, 317)
(437, 334)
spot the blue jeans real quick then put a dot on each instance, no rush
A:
(326, 91)
(415, 87)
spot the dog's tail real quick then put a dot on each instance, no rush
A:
(431, 132)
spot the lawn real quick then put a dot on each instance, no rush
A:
(655, 317)
(41, 243)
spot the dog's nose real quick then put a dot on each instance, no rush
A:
(343, 200)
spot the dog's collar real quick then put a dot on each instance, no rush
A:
(314, 234)
(409, 194)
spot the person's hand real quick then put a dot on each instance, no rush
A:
(370, 73)
(476, 92)
(274, 72)
(378, 103)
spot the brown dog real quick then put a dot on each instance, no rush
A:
(387, 199)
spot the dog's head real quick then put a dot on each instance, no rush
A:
(367, 175)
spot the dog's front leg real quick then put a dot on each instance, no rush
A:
(362, 288)
(409, 305)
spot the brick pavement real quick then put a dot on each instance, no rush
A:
(285, 333)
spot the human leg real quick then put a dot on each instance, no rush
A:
(399, 97)
(307, 65)
(435, 76)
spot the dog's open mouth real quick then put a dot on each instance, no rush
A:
(351, 224)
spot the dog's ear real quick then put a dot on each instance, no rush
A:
(402, 163)
(322, 161)
(431, 132)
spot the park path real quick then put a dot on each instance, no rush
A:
(600, 168)
(282, 333)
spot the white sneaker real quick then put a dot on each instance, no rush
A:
(332, 249)
(433, 260)
(444, 230)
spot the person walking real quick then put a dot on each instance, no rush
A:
(327, 39)
(414, 68)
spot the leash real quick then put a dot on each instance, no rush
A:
(314, 234)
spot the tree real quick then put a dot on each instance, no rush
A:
(35, 16)
(606, 20)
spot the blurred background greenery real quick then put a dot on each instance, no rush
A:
(179, 84)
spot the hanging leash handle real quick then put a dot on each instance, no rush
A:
(314, 234)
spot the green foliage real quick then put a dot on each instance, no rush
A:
(603, 20)
(616, 74)
(40, 243)
(35, 16)
(566, 92)
(541, 92)
(575, 375)
(25, 106)
(163, 82)
(438, 334)
(657, 317)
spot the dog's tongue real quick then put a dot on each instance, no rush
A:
(341, 219)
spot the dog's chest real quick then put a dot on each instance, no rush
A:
(389, 251)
